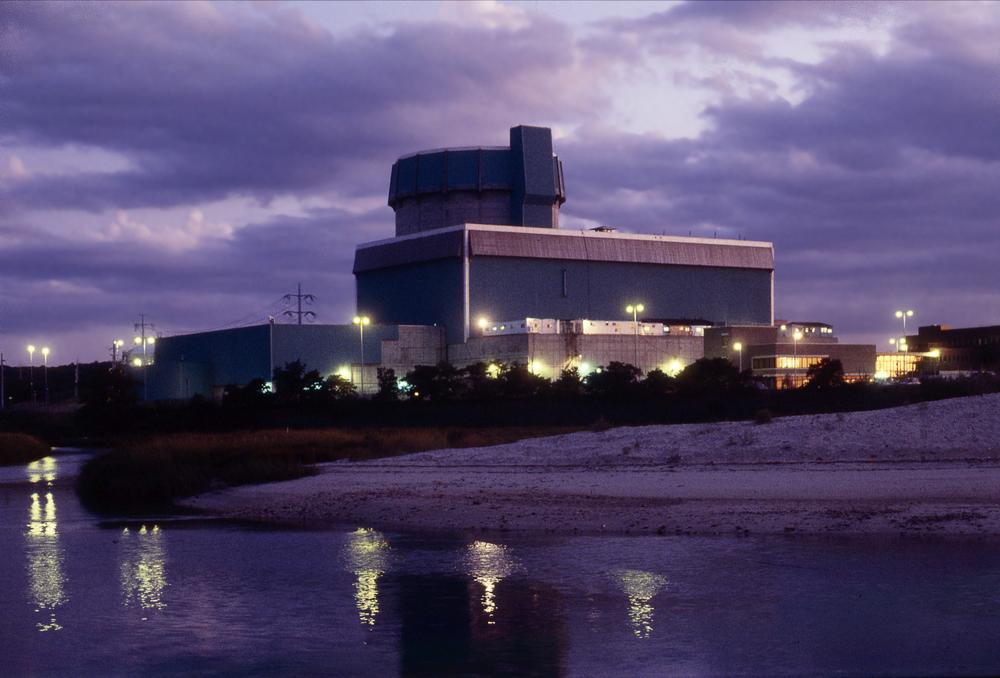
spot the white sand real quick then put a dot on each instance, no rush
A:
(927, 468)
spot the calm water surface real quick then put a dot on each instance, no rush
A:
(167, 597)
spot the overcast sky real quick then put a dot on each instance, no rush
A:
(194, 161)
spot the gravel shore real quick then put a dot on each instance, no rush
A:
(931, 468)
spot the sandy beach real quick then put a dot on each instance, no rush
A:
(930, 468)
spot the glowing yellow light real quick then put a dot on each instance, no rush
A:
(119, 343)
(493, 370)
(797, 335)
(344, 372)
(784, 327)
(150, 340)
(737, 346)
(137, 362)
(137, 340)
(934, 353)
(361, 320)
(881, 375)
(635, 308)
(482, 323)
(488, 564)
(45, 351)
(584, 369)
(640, 588)
(536, 367)
(368, 554)
(674, 367)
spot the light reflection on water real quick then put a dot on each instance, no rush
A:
(488, 564)
(222, 599)
(46, 579)
(640, 587)
(368, 556)
(143, 567)
(42, 469)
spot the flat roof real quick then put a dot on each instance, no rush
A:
(487, 240)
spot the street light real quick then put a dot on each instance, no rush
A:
(31, 370)
(45, 371)
(116, 346)
(796, 336)
(635, 310)
(483, 323)
(738, 347)
(903, 315)
(361, 321)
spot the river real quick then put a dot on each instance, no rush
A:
(179, 596)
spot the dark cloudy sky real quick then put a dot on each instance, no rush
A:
(193, 161)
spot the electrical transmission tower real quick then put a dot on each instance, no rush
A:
(299, 298)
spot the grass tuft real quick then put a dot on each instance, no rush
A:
(148, 475)
(20, 448)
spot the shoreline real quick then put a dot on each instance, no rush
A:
(926, 469)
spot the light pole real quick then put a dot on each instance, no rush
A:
(635, 310)
(45, 371)
(796, 335)
(143, 341)
(361, 321)
(903, 315)
(738, 347)
(31, 370)
(115, 347)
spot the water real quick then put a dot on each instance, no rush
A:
(170, 597)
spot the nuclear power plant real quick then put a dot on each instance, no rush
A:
(479, 270)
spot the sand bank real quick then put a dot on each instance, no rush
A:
(927, 468)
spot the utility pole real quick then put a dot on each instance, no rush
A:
(144, 341)
(3, 383)
(299, 298)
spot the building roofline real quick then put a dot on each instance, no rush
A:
(587, 233)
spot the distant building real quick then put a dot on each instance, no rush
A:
(781, 355)
(961, 350)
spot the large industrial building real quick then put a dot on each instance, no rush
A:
(479, 270)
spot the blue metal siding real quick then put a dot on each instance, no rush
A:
(506, 288)
(328, 347)
(192, 364)
(424, 293)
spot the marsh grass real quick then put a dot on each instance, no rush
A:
(148, 475)
(20, 448)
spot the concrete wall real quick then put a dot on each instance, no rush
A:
(328, 348)
(554, 352)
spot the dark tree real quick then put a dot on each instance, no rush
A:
(388, 386)
(659, 384)
(617, 380)
(710, 375)
(293, 384)
(436, 382)
(569, 385)
(518, 383)
(112, 388)
(825, 374)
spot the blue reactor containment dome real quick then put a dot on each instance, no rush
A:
(519, 185)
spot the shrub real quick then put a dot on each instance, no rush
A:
(20, 448)
(763, 416)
